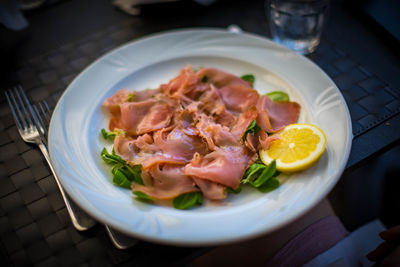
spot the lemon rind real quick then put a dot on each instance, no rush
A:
(300, 164)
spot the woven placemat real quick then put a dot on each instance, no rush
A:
(34, 225)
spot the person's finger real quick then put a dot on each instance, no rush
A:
(391, 233)
(381, 251)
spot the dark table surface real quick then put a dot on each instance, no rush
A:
(66, 36)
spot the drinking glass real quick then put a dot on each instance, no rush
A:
(297, 24)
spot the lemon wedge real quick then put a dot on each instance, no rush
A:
(300, 146)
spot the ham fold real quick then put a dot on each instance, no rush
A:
(225, 166)
(165, 182)
(274, 116)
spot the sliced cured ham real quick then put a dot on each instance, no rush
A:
(211, 190)
(178, 145)
(219, 78)
(223, 166)
(274, 116)
(255, 141)
(165, 182)
(113, 102)
(191, 134)
(239, 98)
(236, 93)
(243, 122)
(142, 117)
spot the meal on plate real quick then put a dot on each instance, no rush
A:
(204, 134)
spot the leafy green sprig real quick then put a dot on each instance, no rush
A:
(253, 128)
(187, 200)
(250, 78)
(262, 177)
(278, 96)
(111, 135)
(123, 173)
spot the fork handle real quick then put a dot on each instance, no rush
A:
(81, 220)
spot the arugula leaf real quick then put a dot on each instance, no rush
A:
(133, 173)
(253, 172)
(123, 173)
(249, 78)
(267, 173)
(204, 79)
(111, 159)
(269, 185)
(120, 179)
(188, 200)
(253, 128)
(278, 96)
(260, 176)
(142, 196)
(235, 191)
(111, 135)
(108, 135)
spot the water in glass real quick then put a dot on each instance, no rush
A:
(297, 24)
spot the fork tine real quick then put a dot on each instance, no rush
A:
(18, 92)
(46, 110)
(16, 112)
(30, 112)
(42, 126)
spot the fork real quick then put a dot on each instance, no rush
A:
(118, 239)
(26, 122)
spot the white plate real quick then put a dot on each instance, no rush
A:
(75, 143)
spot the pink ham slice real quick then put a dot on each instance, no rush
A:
(243, 122)
(273, 116)
(259, 140)
(220, 78)
(166, 182)
(142, 117)
(211, 101)
(125, 148)
(236, 93)
(178, 145)
(113, 102)
(185, 84)
(214, 134)
(211, 190)
(143, 151)
(239, 98)
(139, 96)
(223, 166)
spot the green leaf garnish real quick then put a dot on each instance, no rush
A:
(204, 79)
(123, 173)
(278, 96)
(260, 176)
(253, 172)
(267, 173)
(111, 135)
(130, 97)
(111, 158)
(142, 196)
(249, 78)
(253, 128)
(269, 185)
(133, 173)
(187, 200)
(108, 135)
(234, 191)
(120, 179)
